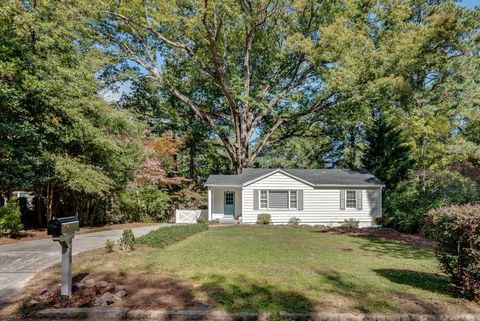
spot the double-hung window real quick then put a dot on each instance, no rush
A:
(278, 199)
(264, 199)
(351, 201)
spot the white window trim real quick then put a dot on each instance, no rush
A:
(346, 199)
(276, 209)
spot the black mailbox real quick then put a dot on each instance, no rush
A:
(63, 226)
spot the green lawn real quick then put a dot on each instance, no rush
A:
(293, 269)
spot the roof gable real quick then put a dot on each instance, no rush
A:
(280, 171)
(312, 177)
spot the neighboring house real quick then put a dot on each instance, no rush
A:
(315, 196)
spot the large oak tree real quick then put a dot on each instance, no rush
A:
(249, 68)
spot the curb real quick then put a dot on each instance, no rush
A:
(109, 313)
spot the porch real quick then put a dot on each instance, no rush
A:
(224, 203)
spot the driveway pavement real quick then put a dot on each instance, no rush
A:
(20, 261)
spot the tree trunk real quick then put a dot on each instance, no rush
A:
(38, 210)
(192, 154)
(49, 201)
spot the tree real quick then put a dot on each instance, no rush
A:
(388, 156)
(59, 138)
(251, 68)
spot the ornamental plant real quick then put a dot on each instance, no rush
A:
(264, 219)
(456, 228)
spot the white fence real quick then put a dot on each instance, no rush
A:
(189, 216)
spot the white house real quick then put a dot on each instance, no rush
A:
(315, 196)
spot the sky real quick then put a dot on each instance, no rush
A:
(125, 87)
(470, 3)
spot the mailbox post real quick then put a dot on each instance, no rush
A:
(63, 231)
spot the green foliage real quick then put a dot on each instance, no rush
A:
(56, 128)
(127, 241)
(144, 203)
(109, 245)
(457, 231)
(264, 219)
(10, 219)
(201, 220)
(294, 221)
(350, 223)
(408, 204)
(387, 156)
(165, 236)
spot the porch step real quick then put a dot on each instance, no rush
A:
(228, 221)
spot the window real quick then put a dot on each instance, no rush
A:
(263, 199)
(293, 199)
(351, 199)
(278, 199)
(229, 198)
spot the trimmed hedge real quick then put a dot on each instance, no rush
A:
(457, 231)
(165, 236)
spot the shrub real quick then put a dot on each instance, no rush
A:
(407, 205)
(264, 219)
(10, 219)
(109, 244)
(457, 231)
(165, 236)
(295, 221)
(201, 220)
(146, 203)
(379, 220)
(350, 223)
(127, 241)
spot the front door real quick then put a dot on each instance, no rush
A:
(229, 204)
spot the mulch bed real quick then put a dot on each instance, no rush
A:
(143, 291)
(385, 234)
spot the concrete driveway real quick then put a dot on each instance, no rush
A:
(20, 261)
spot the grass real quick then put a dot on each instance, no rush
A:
(275, 269)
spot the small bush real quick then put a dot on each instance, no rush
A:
(457, 231)
(201, 220)
(109, 244)
(264, 219)
(165, 236)
(379, 220)
(295, 221)
(10, 219)
(350, 223)
(127, 241)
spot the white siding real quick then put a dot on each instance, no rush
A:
(320, 205)
(218, 202)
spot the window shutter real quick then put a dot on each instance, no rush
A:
(255, 199)
(342, 199)
(300, 199)
(359, 200)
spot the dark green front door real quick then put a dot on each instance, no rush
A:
(229, 204)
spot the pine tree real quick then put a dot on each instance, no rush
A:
(387, 155)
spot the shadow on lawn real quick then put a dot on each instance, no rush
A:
(242, 294)
(392, 249)
(420, 280)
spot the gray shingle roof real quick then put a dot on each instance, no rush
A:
(334, 176)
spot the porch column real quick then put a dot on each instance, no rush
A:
(209, 204)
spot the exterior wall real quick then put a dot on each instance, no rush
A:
(320, 205)
(218, 202)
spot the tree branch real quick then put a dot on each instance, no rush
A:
(325, 104)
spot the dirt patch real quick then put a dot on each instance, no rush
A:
(387, 234)
(38, 234)
(143, 292)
